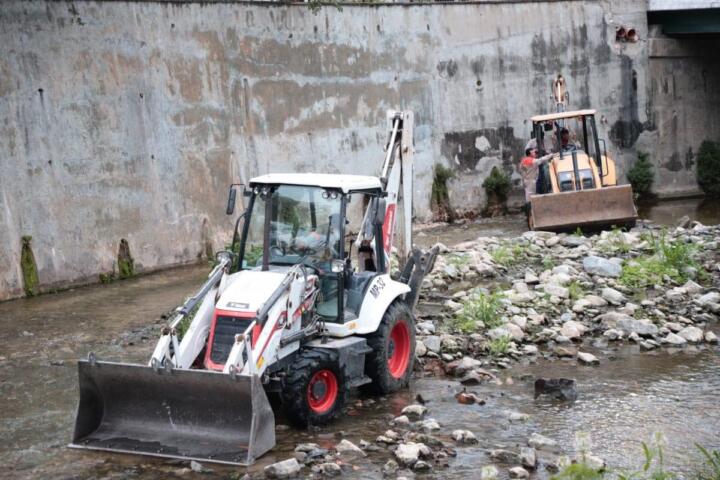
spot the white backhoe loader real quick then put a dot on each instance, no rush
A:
(287, 311)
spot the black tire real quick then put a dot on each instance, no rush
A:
(297, 396)
(377, 364)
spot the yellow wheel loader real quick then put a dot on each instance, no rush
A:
(578, 186)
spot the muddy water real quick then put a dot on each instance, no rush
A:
(621, 402)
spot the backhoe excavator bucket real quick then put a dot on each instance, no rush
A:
(594, 208)
(187, 414)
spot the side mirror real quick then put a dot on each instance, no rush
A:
(337, 266)
(380, 207)
(232, 194)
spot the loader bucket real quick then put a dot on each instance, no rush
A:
(186, 414)
(594, 208)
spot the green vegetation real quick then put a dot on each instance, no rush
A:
(458, 260)
(576, 290)
(440, 198)
(316, 5)
(652, 466)
(509, 254)
(641, 176)
(125, 261)
(499, 346)
(711, 467)
(479, 310)
(31, 281)
(708, 168)
(668, 258)
(547, 262)
(615, 242)
(497, 184)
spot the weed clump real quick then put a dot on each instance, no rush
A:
(478, 311)
(125, 261)
(499, 346)
(509, 254)
(31, 282)
(497, 184)
(440, 197)
(641, 176)
(576, 290)
(708, 168)
(673, 259)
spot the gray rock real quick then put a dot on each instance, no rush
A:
(588, 358)
(644, 328)
(430, 425)
(420, 349)
(464, 437)
(528, 457)
(432, 343)
(504, 456)
(198, 467)
(518, 472)
(348, 450)
(285, 469)
(674, 339)
(709, 298)
(541, 442)
(595, 301)
(572, 329)
(507, 330)
(613, 296)
(390, 468)
(422, 465)
(414, 411)
(306, 447)
(556, 290)
(691, 334)
(601, 266)
(573, 241)
(409, 453)
(692, 288)
(426, 326)
(402, 420)
(327, 469)
(710, 337)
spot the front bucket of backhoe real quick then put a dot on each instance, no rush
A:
(186, 414)
(593, 208)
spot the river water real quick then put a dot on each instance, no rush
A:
(621, 403)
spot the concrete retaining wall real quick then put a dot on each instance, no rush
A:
(129, 119)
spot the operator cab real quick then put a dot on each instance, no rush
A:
(303, 218)
(578, 162)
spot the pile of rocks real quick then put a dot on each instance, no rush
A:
(561, 293)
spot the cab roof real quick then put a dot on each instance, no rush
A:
(560, 115)
(346, 183)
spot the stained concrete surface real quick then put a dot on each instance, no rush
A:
(129, 119)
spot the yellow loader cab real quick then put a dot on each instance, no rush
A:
(578, 187)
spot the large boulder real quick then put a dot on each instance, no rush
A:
(601, 266)
(691, 334)
(507, 330)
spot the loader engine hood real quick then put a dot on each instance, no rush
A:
(248, 290)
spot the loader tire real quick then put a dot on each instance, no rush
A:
(315, 389)
(390, 364)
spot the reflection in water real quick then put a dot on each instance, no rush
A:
(669, 212)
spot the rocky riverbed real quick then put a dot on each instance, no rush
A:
(494, 305)
(631, 317)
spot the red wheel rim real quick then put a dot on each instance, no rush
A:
(322, 391)
(399, 349)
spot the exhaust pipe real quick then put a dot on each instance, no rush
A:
(174, 413)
